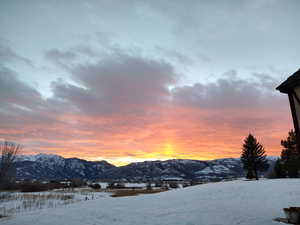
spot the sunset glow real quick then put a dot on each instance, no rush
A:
(145, 80)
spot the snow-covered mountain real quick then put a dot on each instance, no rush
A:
(50, 166)
(56, 167)
(39, 157)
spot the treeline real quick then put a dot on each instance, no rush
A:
(288, 165)
(254, 158)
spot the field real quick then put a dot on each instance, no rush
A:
(14, 203)
(223, 203)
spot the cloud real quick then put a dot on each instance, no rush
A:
(219, 114)
(121, 83)
(24, 114)
(230, 92)
(61, 58)
(175, 55)
(266, 80)
(122, 106)
(8, 55)
(14, 92)
(115, 99)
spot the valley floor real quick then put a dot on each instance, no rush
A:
(224, 203)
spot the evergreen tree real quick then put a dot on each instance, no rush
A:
(290, 155)
(278, 170)
(249, 174)
(253, 157)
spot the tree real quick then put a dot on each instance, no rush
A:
(253, 157)
(149, 186)
(250, 174)
(77, 182)
(278, 169)
(9, 151)
(290, 157)
(95, 186)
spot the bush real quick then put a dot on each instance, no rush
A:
(77, 182)
(95, 186)
(165, 187)
(34, 187)
(173, 185)
(120, 185)
(9, 186)
(216, 179)
(110, 185)
(158, 184)
(185, 185)
(113, 185)
(271, 175)
(149, 186)
(194, 182)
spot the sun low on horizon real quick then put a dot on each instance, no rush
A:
(145, 80)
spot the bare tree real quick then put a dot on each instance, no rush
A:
(9, 151)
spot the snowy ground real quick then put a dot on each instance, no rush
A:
(12, 203)
(142, 185)
(226, 203)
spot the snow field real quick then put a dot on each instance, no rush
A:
(223, 203)
(12, 203)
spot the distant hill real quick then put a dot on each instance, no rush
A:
(46, 166)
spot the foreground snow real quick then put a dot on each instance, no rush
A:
(236, 202)
(13, 203)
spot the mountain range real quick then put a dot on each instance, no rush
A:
(48, 166)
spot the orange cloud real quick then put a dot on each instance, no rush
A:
(180, 132)
(123, 111)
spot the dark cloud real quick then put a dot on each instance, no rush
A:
(122, 103)
(78, 97)
(266, 80)
(117, 96)
(24, 114)
(121, 83)
(14, 92)
(230, 92)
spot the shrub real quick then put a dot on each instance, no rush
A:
(173, 185)
(95, 186)
(34, 187)
(120, 185)
(149, 186)
(185, 185)
(113, 185)
(10, 186)
(216, 179)
(8, 153)
(77, 182)
(193, 182)
(158, 184)
(110, 185)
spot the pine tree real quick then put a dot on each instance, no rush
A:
(290, 156)
(278, 170)
(253, 157)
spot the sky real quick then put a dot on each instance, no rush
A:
(135, 80)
